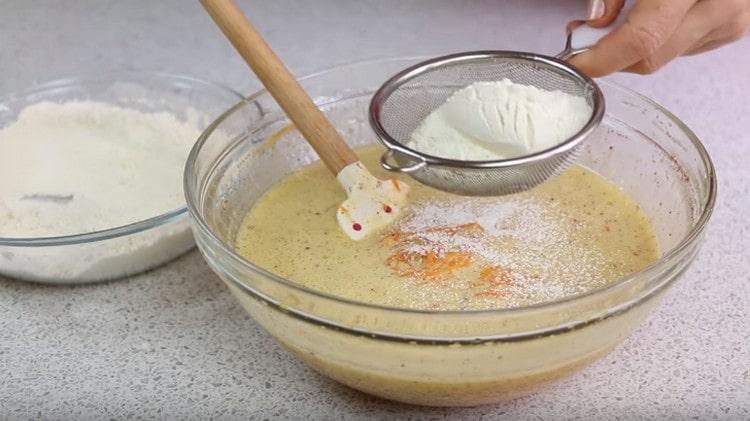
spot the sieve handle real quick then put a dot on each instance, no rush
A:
(285, 89)
(388, 155)
(584, 37)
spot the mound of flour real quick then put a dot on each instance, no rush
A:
(496, 120)
(83, 166)
(74, 167)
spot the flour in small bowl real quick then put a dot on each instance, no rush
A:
(83, 166)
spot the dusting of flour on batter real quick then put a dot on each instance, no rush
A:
(520, 248)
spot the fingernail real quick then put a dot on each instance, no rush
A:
(595, 9)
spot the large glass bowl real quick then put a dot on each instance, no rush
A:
(116, 251)
(452, 358)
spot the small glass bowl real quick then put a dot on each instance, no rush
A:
(124, 250)
(445, 358)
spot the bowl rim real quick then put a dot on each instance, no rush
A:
(673, 254)
(164, 218)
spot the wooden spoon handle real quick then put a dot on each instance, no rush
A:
(290, 95)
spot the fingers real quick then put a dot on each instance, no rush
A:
(649, 25)
(696, 25)
(603, 12)
(735, 26)
(600, 13)
(708, 46)
(704, 28)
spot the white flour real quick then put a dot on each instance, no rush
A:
(82, 166)
(495, 120)
(541, 238)
(85, 166)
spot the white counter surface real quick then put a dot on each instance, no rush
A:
(172, 343)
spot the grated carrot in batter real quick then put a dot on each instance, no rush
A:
(420, 254)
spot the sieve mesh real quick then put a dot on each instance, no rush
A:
(404, 101)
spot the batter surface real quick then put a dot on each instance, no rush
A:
(573, 234)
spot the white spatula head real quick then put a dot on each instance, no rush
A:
(372, 203)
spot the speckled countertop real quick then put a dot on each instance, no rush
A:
(172, 343)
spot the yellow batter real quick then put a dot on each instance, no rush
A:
(573, 234)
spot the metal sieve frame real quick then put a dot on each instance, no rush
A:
(420, 161)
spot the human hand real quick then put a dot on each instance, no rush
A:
(657, 31)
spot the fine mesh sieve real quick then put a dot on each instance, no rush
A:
(400, 105)
(406, 99)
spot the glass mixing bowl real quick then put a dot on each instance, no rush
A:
(451, 358)
(125, 250)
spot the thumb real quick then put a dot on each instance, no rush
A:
(602, 13)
